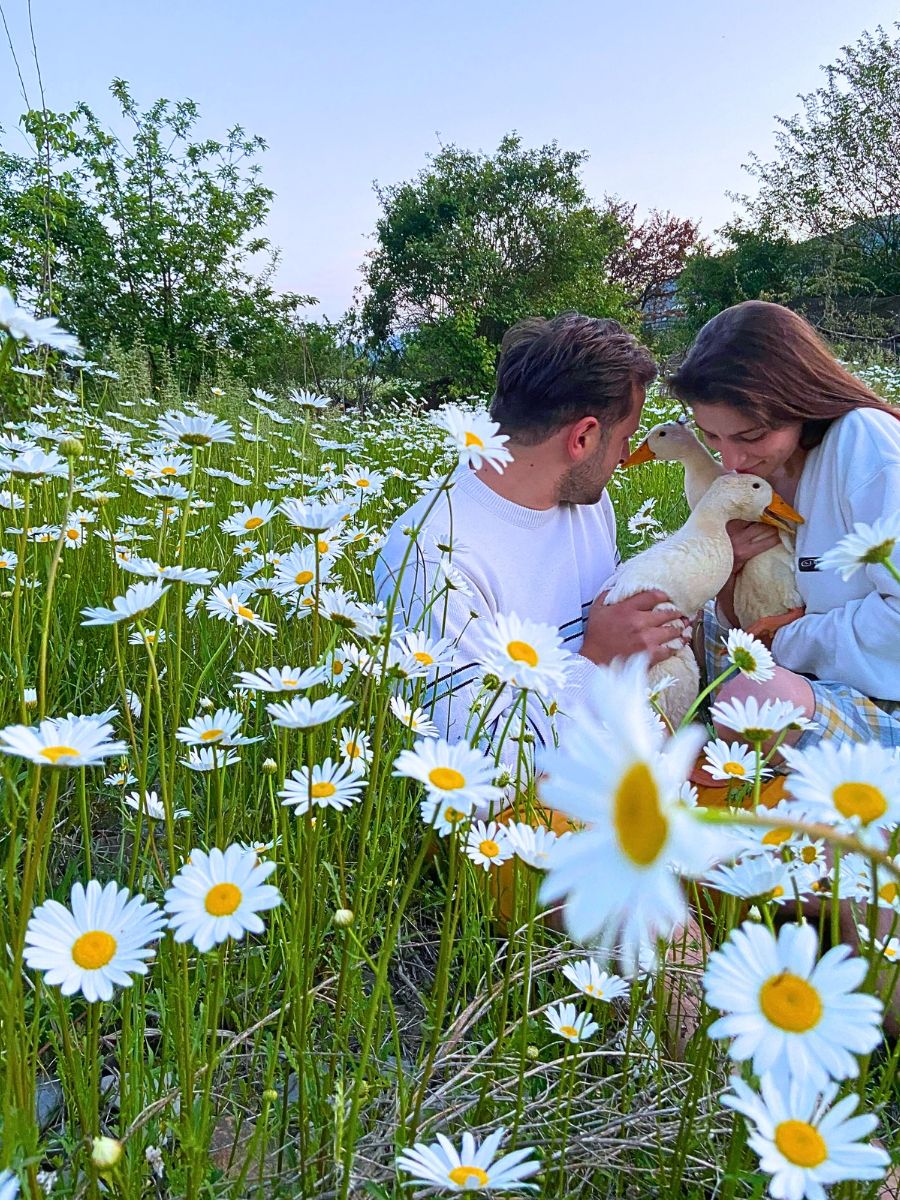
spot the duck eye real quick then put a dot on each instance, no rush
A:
(756, 487)
(662, 433)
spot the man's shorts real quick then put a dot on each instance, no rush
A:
(842, 713)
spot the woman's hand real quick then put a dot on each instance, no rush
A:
(749, 538)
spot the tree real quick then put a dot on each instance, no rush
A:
(835, 179)
(477, 241)
(652, 254)
(153, 236)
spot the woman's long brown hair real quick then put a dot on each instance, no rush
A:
(769, 363)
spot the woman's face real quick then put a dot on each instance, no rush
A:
(743, 444)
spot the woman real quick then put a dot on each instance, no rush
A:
(772, 400)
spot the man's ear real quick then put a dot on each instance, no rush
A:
(583, 437)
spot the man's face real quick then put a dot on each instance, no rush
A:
(586, 479)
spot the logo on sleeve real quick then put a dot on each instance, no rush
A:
(808, 564)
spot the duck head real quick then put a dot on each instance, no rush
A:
(750, 498)
(671, 441)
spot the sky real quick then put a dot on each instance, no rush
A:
(668, 99)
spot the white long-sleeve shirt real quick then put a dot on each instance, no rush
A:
(851, 631)
(544, 564)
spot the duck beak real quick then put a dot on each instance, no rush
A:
(779, 513)
(641, 455)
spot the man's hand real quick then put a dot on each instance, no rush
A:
(632, 626)
(749, 538)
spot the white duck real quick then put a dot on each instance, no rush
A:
(765, 591)
(692, 565)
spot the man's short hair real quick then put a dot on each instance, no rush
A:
(555, 371)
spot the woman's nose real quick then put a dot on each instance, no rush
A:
(734, 460)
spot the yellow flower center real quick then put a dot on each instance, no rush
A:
(337, 668)
(211, 735)
(809, 854)
(168, 471)
(323, 546)
(352, 750)
(890, 952)
(569, 1031)
(860, 800)
(489, 848)
(800, 1143)
(362, 483)
(777, 892)
(472, 439)
(253, 522)
(777, 837)
(522, 652)
(790, 1003)
(247, 613)
(639, 822)
(888, 893)
(322, 790)
(733, 768)
(223, 899)
(446, 779)
(423, 657)
(94, 950)
(452, 815)
(55, 753)
(289, 682)
(304, 577)
(462, 1174)
(73, 534)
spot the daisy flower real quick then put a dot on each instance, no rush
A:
(245, 521)
(445, 815)
(219, 728)
(228, 602)
(487, 845)
(154, 490)
(281, 679)
(313, 516)
(804, 1140)
(533, 844)
(475, 436)
(761, 880)
(867, 544)
(854, 783)
(470, 1169)
(307, 399)
(427, 654)
(889, 949)
(297, 571)
(524, 653)
(369, 483)
(62, 742)
(168, 466)
(194, 431)
(198, 576)
(9, 1181)
(749, 655)
(40, 331)
(328, 785)
(209, 758)
(100, 941)
(34, 463)
(457, 773)
(599, 985)
(220, 895)
(734, 762)
(620, 776)
(300, 713)
(8, 559)
(758, 722)
(413, 718)
(137, 600)
(567, 1022)
(354, 748)
(150, 805)
(785, 1009)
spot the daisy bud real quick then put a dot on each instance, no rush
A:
(532, 1052)
(343, 917)
(270, 1096)
(105, 1153)
(206, 702)
(71, 447)
(491, 681)
(30, 697)
(270, 766)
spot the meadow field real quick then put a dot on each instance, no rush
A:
(255, 939)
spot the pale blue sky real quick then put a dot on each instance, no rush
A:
(668, 99)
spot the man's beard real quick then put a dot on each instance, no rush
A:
(583, 483)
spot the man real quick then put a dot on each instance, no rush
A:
(539, 539)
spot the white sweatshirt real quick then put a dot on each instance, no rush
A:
(851, 631)
(544, 564)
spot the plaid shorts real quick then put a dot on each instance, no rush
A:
(842, 713)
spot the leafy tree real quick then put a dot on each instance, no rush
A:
(477, 241)
(651, 255)
(835, 179)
